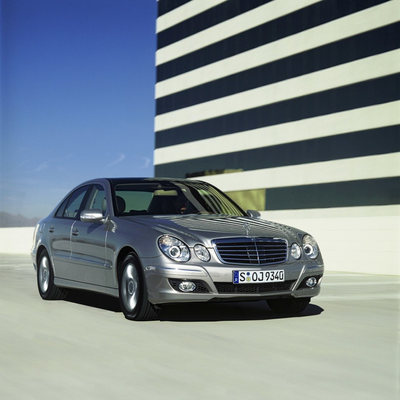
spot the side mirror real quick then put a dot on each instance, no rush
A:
(253, 213)
(92, 216)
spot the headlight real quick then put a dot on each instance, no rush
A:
(202, 253)
(295, 251)
(174, 248)
(310, 247)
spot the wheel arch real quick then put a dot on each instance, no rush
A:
(121, 255)
(39, 252)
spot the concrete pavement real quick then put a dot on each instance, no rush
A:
(344, 346)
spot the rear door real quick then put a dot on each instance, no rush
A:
(60, 227)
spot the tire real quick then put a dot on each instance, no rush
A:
(133, 291)
(288, 306)
(45, 280)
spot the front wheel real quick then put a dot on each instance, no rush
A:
(45, 280)
(289, 306)
(133, 291)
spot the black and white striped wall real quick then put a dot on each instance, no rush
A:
(293, 108)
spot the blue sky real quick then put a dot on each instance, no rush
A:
(77, 96)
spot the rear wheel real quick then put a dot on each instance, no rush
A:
(289, 306)
(45, 280)
(133, 291)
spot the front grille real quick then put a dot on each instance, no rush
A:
(254, 288)
(253, 251)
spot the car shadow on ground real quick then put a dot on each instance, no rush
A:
(95, 300)
(195, 312)
(235, 311)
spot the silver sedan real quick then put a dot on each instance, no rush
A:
(153, 241)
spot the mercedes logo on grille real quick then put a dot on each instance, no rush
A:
(247, 228)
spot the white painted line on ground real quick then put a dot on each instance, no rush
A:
(321, 299)
(397, 282)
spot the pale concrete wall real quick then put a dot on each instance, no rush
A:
(16, 240)
(358, 239)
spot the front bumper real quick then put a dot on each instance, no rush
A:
(215, 282)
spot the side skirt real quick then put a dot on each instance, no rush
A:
(66, 283)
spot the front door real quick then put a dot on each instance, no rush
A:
(88, 243)
(89, 252)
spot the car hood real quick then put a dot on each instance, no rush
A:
(205, 228)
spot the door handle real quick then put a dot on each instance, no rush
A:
(75, 232)
(51, 229)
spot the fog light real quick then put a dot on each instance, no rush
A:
(187, 286)
(311, 282)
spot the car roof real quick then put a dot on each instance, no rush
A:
(116, 181)
(138, 180)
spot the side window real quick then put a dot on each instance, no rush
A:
(60, 211)
(97, 199)
(74, 203)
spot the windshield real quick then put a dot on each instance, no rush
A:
(176, 198)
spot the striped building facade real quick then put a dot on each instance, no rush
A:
(292, 108)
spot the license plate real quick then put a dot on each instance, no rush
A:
(258, 276)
